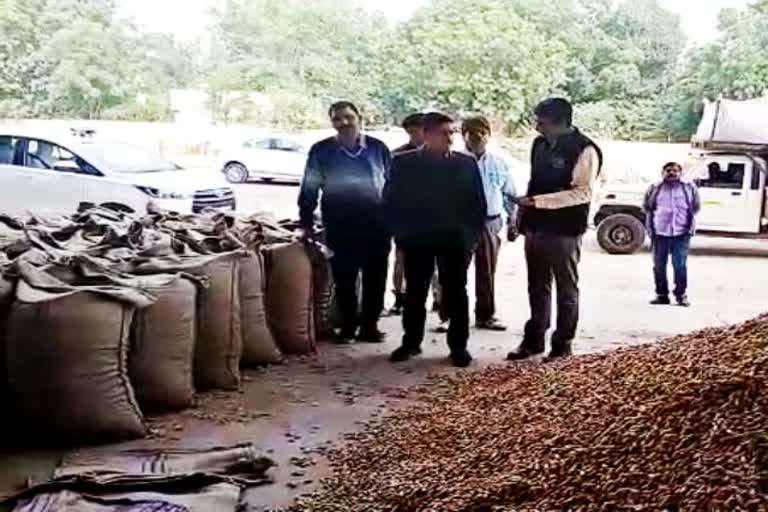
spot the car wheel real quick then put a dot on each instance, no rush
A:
(621, 234)
(236, 173)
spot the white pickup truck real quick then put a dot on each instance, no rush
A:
(727, 162)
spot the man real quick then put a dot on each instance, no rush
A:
(414, 127)
(564, 166)
(350, 170)
(500, 196)
(436, 209)
(670, 212)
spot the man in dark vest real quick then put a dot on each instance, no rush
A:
(564, 166)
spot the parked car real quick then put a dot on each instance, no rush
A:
(54, 173)
(264, 158)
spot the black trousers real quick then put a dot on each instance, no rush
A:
(549, 258)
(452, 261)
(353, 256)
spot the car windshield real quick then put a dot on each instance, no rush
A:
(124, 158)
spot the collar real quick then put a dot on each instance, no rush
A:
(426, 152)
(362, 144)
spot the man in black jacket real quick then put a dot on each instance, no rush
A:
(564, 166)
(346, 174)
(435, 208)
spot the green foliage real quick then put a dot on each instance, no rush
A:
(72, 58)
(621, 63)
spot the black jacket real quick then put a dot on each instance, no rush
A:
(434, 199)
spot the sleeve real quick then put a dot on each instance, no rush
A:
(647, 199)
(310, 189)
(386, 158)
(584, 173)
(696, 199)
(478, 207)
(390, 196)
(509, 193)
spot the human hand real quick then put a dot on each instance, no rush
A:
(525, 202)
(512, 233)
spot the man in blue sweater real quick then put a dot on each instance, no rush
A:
(346, 174)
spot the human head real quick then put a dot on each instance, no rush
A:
(554, 116)
(345, 118)
(714, 170)
(438, 132)
(476, 132)
(414, 127)
(672, 172)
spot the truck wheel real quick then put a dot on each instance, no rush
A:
(621, 234)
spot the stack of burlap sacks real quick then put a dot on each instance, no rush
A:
(105, 315)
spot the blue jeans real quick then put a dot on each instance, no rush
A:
(677, 247)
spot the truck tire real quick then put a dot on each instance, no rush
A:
(621, 234)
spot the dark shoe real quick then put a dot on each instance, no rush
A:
(558, 354)
(683, 302)
(397, 309)
(404, 353)
(522, 353)
(491, 325)
(461, 359)
(345, 336)
(661, 300)
(371, 336)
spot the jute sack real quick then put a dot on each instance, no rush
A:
(290, 308)
(6, 300)
(258, 343)
(163, 348)
(219, 343)
(67, 356)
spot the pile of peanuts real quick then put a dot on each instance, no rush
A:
(677, 425)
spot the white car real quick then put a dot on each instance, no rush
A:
(55, 173)
(264, 158)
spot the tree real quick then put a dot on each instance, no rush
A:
(72, 58)
(469, 56)
(733, 66)
(322, 49)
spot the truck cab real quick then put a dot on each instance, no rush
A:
(734, 201)
(727, 162)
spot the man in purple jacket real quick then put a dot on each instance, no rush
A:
(670, 212)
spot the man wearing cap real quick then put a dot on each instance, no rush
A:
(500, 197)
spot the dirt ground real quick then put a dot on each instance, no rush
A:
(295, 411)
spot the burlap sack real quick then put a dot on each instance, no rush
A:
(67, 357)
(258, 343)
(163, 348)
(6, 300)
(290, 308)
(219, 343)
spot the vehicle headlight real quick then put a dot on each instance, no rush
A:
(164, 194)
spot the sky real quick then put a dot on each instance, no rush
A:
(187, 18)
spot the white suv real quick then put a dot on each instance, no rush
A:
(54, 174)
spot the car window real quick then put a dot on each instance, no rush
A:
(46, 155)
(256, 144)
(722, 176)
(7, 149)
(125, 158)
(286, 145)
